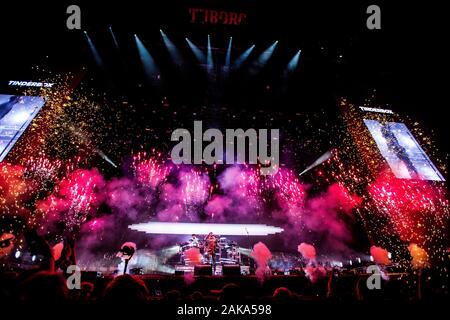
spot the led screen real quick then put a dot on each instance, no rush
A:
(402, 152)
(16, 113)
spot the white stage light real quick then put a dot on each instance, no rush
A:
(205, 228)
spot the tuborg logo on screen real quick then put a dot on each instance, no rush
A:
(213, 153)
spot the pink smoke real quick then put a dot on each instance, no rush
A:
(261, 254)
(315, 273)
(380, 255)
(74, 198)
(193, 256)
(124, 197)
(189, 278)
(307, 251)
(184, 201)
(329, 215)
(417, 210)
(216, 207)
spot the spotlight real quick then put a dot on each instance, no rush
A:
(292, 65)
(244, 56)
(209, 59)
(114, 38)
(197, 52)
(169, 252)
(95, 54)
(245, 251)
(228, 56)
(327, 155)
(173, 51)
(150, 68)
(265, 56)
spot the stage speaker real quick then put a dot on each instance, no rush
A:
(203, 270)
(231, 270)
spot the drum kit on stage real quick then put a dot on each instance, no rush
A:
(226, 252)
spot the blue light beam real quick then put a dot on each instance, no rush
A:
(197, 52)
(292, 65)
(173, 51)
(98, 60)
(265, 56)
(114, 38)
(150, 68)
(228, 56)
(244, 56)
(209, 59)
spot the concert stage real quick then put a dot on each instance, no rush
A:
(182, 147)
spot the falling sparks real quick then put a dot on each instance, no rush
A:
(150, 171)
(46, 184)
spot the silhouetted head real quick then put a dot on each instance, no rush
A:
(230, 292)
(196, 296)
(43, 286)
(282, 294)
(173, 295)
(126, 288)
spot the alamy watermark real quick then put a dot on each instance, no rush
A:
(74, 280)
(373, 22)
(374, 280)
(213, 153)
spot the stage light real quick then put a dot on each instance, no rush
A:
(245, 251)
(228, 56)
(204, 228)
(114, 38)
(105, 157)
(327, 155)
(98, 60)
(209, 59)
(265, 56)
(150, 68)
(240, 60)
(197, 52)
(292, 65)
(173, 51)
(17, 254)
(169, 252)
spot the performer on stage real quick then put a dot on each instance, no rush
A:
(211, 245)
(194, 241)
